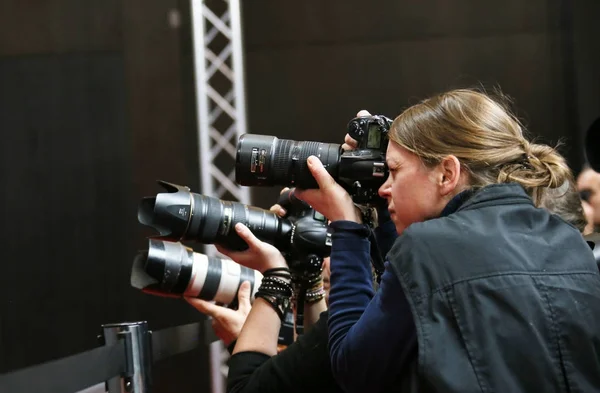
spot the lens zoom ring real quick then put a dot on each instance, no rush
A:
(282, 160)
(239, 215)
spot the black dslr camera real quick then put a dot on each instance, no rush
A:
(263, 160)
(179, 215)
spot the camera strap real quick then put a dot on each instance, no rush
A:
(376, 258)
(368, 214)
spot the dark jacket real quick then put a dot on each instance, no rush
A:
(302, 367)
(505, 298)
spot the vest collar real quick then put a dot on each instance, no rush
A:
(493, 194)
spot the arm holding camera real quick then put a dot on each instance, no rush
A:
(313, 311)
(354, 309)
(262, 326)
(227, 323)
(315, 303)
(255, 366)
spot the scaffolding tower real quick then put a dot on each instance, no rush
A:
(221, 117)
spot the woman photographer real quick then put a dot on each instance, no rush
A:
(484, 291)
(305, 364)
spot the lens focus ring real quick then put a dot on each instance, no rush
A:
(300, 173)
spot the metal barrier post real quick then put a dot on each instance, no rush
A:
(138, 345)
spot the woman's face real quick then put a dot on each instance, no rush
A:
(412, 190)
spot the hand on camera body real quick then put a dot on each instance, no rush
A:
(349, 142)
(277, 208)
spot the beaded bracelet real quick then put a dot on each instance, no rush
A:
(315, 296)
(308, 288)
(314, 291)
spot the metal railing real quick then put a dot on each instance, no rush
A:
(122, 364)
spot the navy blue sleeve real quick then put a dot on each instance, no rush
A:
(385, 233)
(370, 338)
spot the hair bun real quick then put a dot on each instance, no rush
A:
(550, 167)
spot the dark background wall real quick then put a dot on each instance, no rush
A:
(97, 102)
(586, 61)
(92, 112)
(328, 59)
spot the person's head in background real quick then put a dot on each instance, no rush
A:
(588, 184)
(565, 202)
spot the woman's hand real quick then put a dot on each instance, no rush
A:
(330, 199)
(259, 256)
(226, 323)
(349, 142)
(277, 208)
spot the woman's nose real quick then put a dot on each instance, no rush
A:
(384, 190)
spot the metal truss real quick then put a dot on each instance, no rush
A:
(220, 94)
(221, 116)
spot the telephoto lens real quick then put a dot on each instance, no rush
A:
(263, 160)
(179, 214)
(171, 269)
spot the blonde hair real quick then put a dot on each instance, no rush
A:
(485, 137)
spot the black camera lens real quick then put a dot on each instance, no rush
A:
(171, 269)
(263, 160)
(182, 215)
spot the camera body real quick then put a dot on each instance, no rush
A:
(363, 170)
(311, 238)
(263, 160)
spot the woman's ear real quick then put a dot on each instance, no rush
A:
(450, 175)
